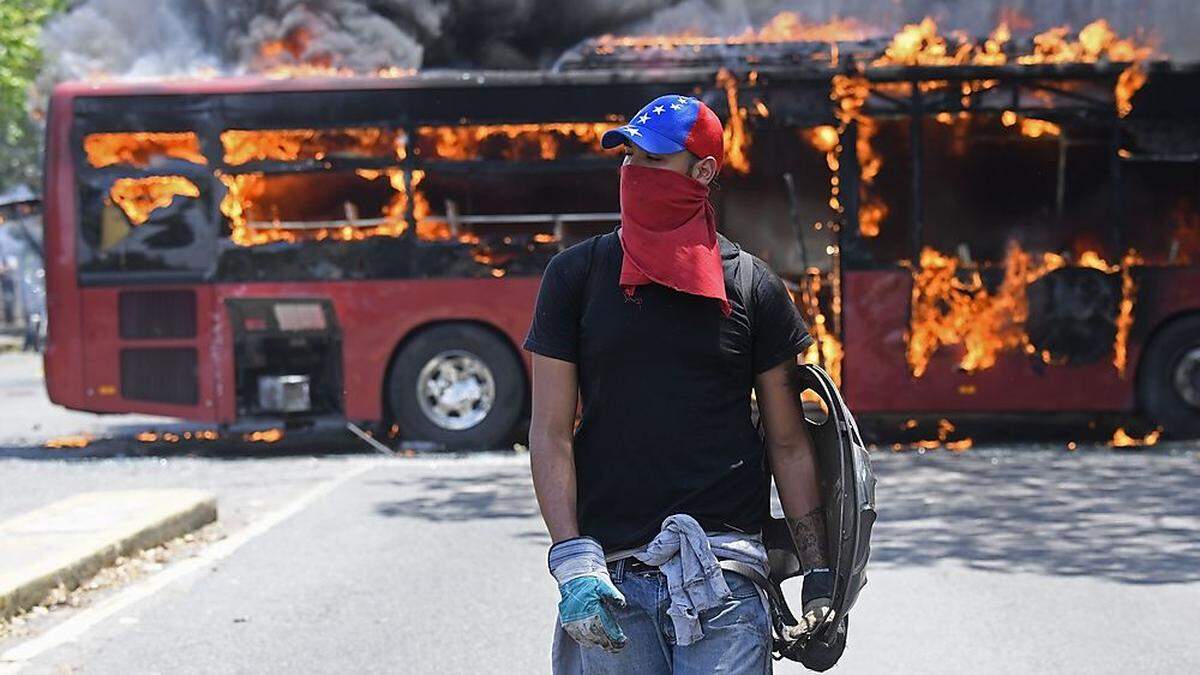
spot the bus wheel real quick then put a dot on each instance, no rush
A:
(457, 385)
(1169, 378)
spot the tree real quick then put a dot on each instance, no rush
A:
(20, 57)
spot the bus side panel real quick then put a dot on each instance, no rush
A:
(172, 376)
(1162, 293)
(62, 361)
(876, 377)
(375, 316)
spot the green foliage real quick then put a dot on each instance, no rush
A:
(20, 57)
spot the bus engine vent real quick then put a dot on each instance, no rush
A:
(165, 375)
(147, 315)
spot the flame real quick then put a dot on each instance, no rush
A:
(242, 191)
(922, 44)
(245, 192)
(850, 94)
(1095, 41)
(1121, 439)
(737, 141)
(947, 310)
(1125, 312)
(287, 145)
(152, 437)
(791, 27)
(951, 306)
(141, 148)
(139, 197)
(264, 436)
(1128, 82)
(510, 141)
(74, 441)
(1030, 126)
(785, 26)
(826, 348)
(293, 56)
(944, 429)
(824, 138)
(919, 44)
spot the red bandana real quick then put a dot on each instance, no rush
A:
(669, 234)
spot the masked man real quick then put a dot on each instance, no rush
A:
(665, 474)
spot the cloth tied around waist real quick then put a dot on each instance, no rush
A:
(687, 556)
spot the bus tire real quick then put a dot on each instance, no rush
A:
(456, 385)
(1169, 378)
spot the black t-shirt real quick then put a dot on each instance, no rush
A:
(664, 380)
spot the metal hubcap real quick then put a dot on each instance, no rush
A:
(456, 390)
(1187, 377)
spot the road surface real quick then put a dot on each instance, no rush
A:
(997, 560)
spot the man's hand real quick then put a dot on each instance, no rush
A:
(816, 599)
(587, 593)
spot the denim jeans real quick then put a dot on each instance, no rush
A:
(737, 634)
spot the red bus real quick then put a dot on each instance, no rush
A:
(256, 252)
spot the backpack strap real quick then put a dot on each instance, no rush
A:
(745, 283)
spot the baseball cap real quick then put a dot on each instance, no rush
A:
(672, 123)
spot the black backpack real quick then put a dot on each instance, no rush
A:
(848, 495)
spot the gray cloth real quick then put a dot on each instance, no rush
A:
(687, 557)
(699, 578)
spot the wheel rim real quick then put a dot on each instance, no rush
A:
(1187, 377)
(456, 390)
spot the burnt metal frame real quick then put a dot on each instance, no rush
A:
(585, 96)
(1004, 94)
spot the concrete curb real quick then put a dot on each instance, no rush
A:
(67, 542)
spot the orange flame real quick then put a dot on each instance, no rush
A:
(244, 190)
(287, 145)
(947, 310)
(1029, 126)
(510, 141)
(141, 149)
(139, 197)
(826, 349)
(1121, 439)
(1125, 311)
(75, 441)
(850, 94)
(291, 56)
(737, 141)
(951, 306)
(785, 26)
(264, 436)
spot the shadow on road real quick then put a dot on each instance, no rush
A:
(1129, 518)
(1132, 518)
(502, 493)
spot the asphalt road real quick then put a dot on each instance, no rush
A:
(992, 561)
(996, 560)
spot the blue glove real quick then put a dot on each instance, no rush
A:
(587, 591)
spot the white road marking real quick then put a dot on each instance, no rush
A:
(71, 629)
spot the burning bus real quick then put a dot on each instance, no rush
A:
(990, 226)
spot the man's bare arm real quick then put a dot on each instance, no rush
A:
(793, 463)
(551, 433)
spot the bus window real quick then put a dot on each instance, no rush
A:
(155, 223)
(291, 145)
(510, 142)
(883, 235)
(141, 149)
(1162, 220)
(992, 181)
